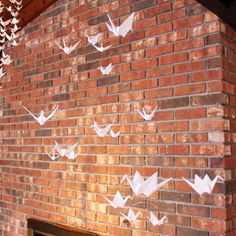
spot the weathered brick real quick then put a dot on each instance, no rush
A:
(173, 103)
(108, 80)
(61, 97)
(213, 99)
(193, 232)
(43, 132)
(45, 84)
(143, 4)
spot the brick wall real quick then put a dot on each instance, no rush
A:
(180, 58)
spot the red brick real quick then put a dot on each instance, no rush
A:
(180, 58)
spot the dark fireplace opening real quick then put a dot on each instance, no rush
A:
(42, 228)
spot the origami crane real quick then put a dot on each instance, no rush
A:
(131, 215)
(113, 134)
(69, 152)
(6, 59)
(106, 70)
(11, 37)
(101, 132)
(4, 23)
(204, 185)
(154, 220)
(123, 29)
(146, 116)
(15, 21)
(66, 49)
(141, 186)
(118, 200)
(42, 119)
(15, 43)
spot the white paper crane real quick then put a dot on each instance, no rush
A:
(113, 134)
(141, 186)
(106, 70)
(147, 116)
(14, 29)
(131, 215)
(14, 13)
(15, 21)
(3, 40)
(154, 220)
(65, 48)
(2, 47)
(15, 2)
(123, 29)
(18, 7)
(101, 132)
(4, 23)
(1, 72)
(42, 119)
(15, 43)
(101, 48)
(118, 200)
(69, 152)
(204, 185)
(3, 31)
(7, 60)
(53, 156)
(9, 9)
(93, 39)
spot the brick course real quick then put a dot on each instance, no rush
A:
(181, 58)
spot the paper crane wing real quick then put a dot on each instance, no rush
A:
(152, 113)
(72, 147)
(15, 21)
(106, 70)
(72, 48)
(111, 202)
(142, 113)
(126, 26)
(53, 156)
(158, 186)
(199, 191)
(71, 155)
(94, 39)
(102, 49)
(52, 114)
(134, 183)
(2, 73)
(111, 27)
(15, 43)
(36, 118)
(101, 132)
(211, 183)
(200, 186)
(113, 134)
(59, 45)
(149, 186)
(60, 150)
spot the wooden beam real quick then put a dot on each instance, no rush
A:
(56, 229)
(220, 10)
